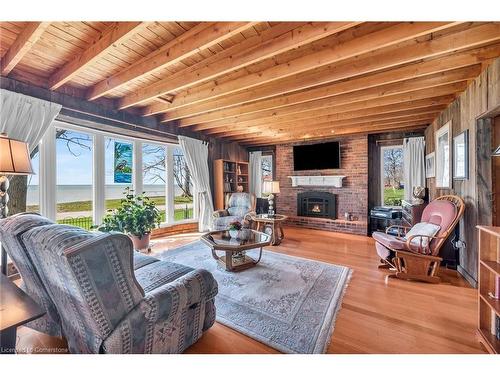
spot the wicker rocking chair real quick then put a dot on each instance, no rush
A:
(412, 258)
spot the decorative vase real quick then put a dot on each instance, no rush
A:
(233, 233)
(141, 243)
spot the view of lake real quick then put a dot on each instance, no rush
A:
(80, 193)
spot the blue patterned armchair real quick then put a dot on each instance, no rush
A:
(239, 205)
(106, 298)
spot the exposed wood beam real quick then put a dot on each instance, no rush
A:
(341, 112)
(23, 43)
(387, 58)
(317, 122)
(376, 40)
(113, 35)
(201, 36)
(292, 131)
(284, 42)
(364, 129)
(344, 98)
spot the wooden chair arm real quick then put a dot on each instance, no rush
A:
(399, 227)
(421, 249)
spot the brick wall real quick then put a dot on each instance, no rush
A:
(352, 197)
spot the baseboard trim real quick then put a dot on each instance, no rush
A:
(467, 276)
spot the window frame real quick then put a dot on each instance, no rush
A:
(48, 173)
(382, 172)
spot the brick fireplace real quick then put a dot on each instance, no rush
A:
(352, 197)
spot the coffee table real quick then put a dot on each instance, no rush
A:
(271, 225)
(235, 258)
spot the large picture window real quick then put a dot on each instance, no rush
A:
(33, 193)
(183, 187)
(154, 175)
(74, 161)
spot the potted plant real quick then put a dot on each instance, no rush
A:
(137, 216)
(234, 228)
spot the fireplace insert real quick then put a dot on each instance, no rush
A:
(317, 204)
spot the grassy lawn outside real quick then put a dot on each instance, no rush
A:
(86, 222)
(111, 204)
(393, 197)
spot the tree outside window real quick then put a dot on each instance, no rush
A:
(392, 177)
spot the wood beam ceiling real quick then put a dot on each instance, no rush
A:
(238, 57)
(113, 35)
(356, 46)
(203, 35)
(321, 93)
(21, 46)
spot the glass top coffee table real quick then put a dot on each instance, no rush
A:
(235, 258)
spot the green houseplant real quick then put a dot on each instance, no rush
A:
(137, 216)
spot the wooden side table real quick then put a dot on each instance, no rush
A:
(271, 225)
(16, 309)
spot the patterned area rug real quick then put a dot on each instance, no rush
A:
(285, 302)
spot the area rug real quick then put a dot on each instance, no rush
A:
(285, 302)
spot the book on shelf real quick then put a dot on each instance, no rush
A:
(497, 287)
(497, 319)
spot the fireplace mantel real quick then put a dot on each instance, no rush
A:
(335, 181)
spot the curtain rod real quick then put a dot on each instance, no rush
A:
(396, 139)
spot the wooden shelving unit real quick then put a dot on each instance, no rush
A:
(228, 175)
(489, 270)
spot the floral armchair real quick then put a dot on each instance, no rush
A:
(103, 296)
(240, 206)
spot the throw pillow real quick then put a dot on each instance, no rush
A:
(423, 228)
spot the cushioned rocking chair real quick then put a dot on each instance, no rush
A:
(415, 256)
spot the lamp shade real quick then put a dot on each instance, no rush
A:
(271, 187)
(14, 157)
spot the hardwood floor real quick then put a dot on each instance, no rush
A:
(378, 315)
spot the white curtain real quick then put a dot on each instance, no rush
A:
(196, 156)
(414, 164)
(26, 118)
(255, 171)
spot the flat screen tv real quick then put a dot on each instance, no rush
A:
(316, 156)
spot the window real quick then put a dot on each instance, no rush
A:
(392, 175)
(33, 194)
(183, 187)
(74, 166)
(154, 175)
(118, 155)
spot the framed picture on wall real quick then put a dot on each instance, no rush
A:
(430, 165)
(443, 161)
(461, 156)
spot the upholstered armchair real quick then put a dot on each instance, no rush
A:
(106, 298)
(239, 206)
(414, 252)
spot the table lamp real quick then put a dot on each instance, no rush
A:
(14, 160)
(271, 188)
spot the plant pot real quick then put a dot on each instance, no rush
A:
(233, 233)
(141, 243)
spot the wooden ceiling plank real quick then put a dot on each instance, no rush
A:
(349, 69)
(375, 130)
(349, 102)
(115, 34)
(21, 46)
(408, 84)
(266, 48)
(199, 37)
(342, 111)
(342, 51)
(363, 115)
(329, 125)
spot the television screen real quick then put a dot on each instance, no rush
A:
(317, 156)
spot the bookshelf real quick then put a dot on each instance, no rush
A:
(228, 175)
(488, 288)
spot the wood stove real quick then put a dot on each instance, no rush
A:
(317, 204)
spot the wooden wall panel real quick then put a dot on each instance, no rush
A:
(481, 97)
